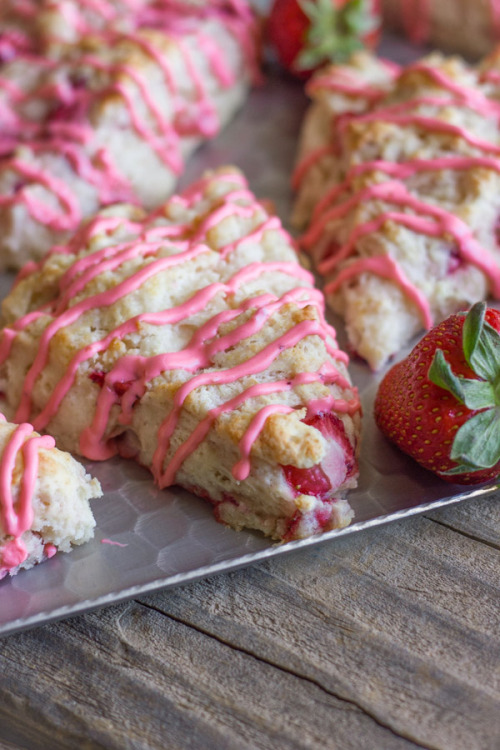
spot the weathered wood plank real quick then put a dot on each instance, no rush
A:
(479, 519)
(386, 639)
(403, 620)
(158, 683)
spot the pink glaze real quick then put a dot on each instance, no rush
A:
(384, 266)
(470, 97)
(67, 131)
(428, 123)
(112, 543)
(404, 170)
(39, 210)
(49, 550)
(127, 380)
(171, 316)
(16, 514)
(396, 192)
(346, 83)
(425, 218)
(241, 470)
(254, 365)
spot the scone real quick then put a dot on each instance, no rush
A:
(47, 24)
(44, 499)
(192, 340)
(398, 189)
(467, 27)
(112, 115)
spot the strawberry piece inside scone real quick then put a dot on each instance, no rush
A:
(308, 481)
(317, 489)
(107, 108)
(192, 340)
(336, 467)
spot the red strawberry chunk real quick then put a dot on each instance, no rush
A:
(311, 481)
(121, 388)
(455, 261)
(98, 376)
(337, 465)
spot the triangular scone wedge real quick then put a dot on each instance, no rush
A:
(44, 499)
(192, 340)
(399, 191)
(50, 24)
(113, 115)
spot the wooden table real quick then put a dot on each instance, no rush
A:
(386, 639)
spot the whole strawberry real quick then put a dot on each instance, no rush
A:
(309, 33)
(441, 404)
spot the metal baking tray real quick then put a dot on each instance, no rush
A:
(148, 539)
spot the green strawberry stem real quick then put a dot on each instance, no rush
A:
(333, 33)
(477, 443)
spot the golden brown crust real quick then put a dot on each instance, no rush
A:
(207, 395)
(388, 216)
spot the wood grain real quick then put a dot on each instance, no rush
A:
(386, 639)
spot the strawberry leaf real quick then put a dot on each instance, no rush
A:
(473, 324)
(481, 344)
(475, 394)
(478, 394)
(334, 33)
(441, 374)
(357, 18)
(460, 469)
(481, 347)
(477, 442)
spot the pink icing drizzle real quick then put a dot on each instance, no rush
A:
(136, 371)
(112, 543)
(70, 136)
(241, 470)
(427, 218)
(16, 515)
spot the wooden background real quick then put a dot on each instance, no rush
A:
(388, 638)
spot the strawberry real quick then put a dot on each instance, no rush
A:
(338, 464)
(441, 404)
(309, 33)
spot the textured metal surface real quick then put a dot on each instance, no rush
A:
(169, 537)
(165, 538)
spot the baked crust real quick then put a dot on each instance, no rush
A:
(192, 340)
(467, 27)
(44, 499)
(112, 114)
(398, 188)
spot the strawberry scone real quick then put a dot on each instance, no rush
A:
(467, 27)
(47, 24)
(192, 340)
(398, 183)
(44, 499)
(112, 115)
